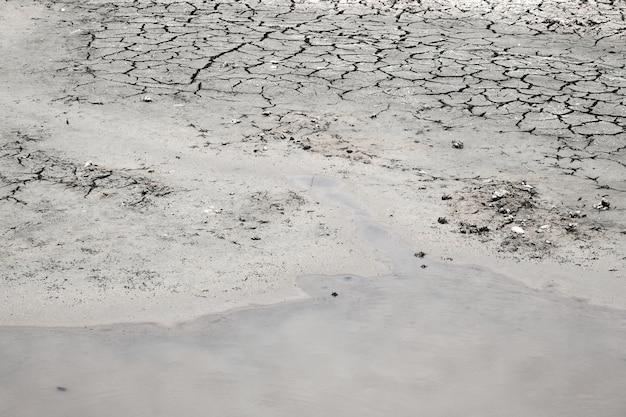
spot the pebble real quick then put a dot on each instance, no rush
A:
(517, 229)
(543, 228)
(527, 186)
(604, 204)
(498, 194)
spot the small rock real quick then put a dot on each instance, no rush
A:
(499, 194)
(446, 197)
(457, 144)
(470, 228)
(146, 99)
(517, 229)
(419, 254)
(212, 210)
(603, 205)
(526, 186)
(424, 266)
(576, 214)
(334, 294)
(442, 220)
(509, 218)
(543, 228)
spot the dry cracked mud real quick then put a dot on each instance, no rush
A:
(148, 147)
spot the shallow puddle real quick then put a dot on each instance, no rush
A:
(441, 342)
(435, 341)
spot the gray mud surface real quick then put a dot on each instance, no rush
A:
(166, 166)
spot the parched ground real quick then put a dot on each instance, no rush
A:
(148, 151)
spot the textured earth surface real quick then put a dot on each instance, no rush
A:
(150, 150)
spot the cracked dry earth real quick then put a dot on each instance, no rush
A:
(148, 147)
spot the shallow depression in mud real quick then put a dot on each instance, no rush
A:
(441, 340)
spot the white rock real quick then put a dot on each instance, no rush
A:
(497, 195)
(526, 186)
(517, 229)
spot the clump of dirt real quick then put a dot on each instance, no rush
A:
(257, 212)
(270, 204)
(333, 145)
(514, 216)
(314, 133)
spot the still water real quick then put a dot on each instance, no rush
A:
(437, 341)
